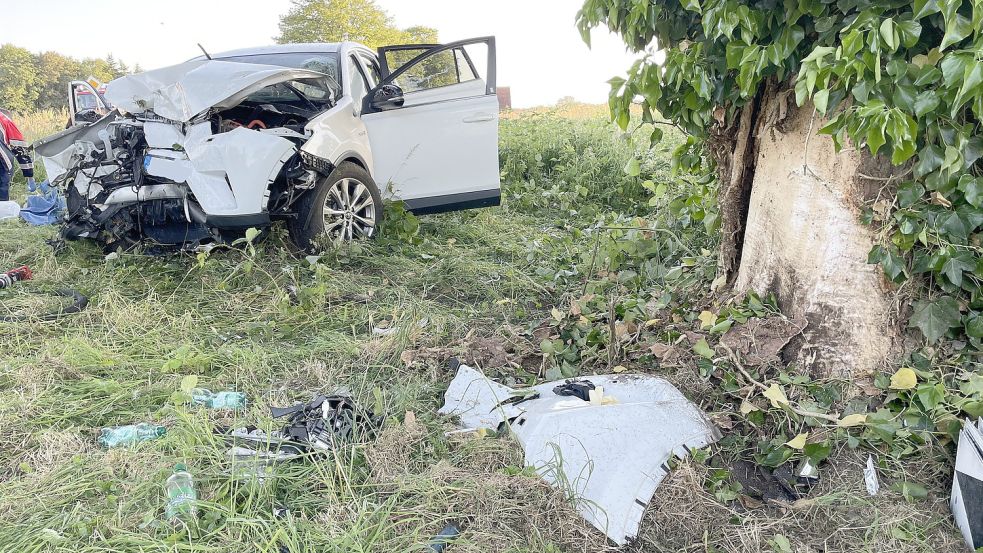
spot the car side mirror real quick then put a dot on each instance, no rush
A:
(388, 96)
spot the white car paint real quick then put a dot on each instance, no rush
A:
(439, 161)
(181, 92)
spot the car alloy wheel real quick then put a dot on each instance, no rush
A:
(349, 210)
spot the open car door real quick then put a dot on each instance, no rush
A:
(85, 103)
(432, 123)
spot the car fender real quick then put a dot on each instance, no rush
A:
(338, 134)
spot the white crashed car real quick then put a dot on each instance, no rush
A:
(317, 135)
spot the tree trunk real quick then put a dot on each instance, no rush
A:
(800, 237)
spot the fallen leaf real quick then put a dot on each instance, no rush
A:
(939, 199)
(707, 319)
(620, 369)
(557, 315)
(904, 379)
(722, 420)
(703, 349)
(651, 322)
(855, 419)
(747, 407)
(504, 301)
(798, 442)
(409, 420)
(659, 350)
(408, 356)
(776, 394)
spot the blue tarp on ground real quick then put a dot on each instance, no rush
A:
(44, 205)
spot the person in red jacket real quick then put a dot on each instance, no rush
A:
(13, 153)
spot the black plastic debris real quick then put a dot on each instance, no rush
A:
(444, 538)
(325, 421)
(575, 388)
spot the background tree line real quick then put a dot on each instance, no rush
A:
(29, 81)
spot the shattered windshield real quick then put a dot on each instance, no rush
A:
(322, 62)
(318, 91)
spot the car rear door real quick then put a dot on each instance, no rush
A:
(432, 123)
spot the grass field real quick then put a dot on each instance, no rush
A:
(480, 285)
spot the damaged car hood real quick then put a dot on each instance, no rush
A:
(183, 91)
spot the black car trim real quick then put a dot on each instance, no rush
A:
(455, 202)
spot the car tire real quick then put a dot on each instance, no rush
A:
(346, 205)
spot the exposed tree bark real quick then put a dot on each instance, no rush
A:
(791, 217)
(734, 151)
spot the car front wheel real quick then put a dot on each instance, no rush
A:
(346, 205)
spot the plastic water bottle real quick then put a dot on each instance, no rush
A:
(115, 436)
(182, 498)
(220, 400)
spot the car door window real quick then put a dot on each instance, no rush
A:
(372, 69)
(357, 83)
(440, 69)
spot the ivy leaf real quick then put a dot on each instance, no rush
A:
(957, 27)
(954, 226)
(703, 349)
(926, 102)
(692, 5)
(889, 34)
(904, 379)
(707, 319)
(798, 442)
(930, 395)
(893, 265)
(821, 100)
(925, 8)
(875, 138)
(909, 32)
(189, 383)
(817, 451)
(955, 266)
(910, 193)
(972, 80)
(855, 419)
(776, 395)
(974, 328)
(935, 318)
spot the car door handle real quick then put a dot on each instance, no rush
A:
(479, 118)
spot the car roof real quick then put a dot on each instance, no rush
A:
(306, 47)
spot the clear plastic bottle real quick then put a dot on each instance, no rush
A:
(130, 434)
(220, 400)
(182, 498)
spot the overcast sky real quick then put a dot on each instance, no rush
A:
(540, 54)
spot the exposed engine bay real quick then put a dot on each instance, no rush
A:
(193, 154)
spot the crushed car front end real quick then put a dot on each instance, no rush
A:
(193, 155)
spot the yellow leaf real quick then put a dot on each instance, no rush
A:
(707, 319)
(798, 442)
(620, 369)
(503, 301)
(777, 395)
(904, 379)
(557, 314)
(748, 407)
(651, 322)
(855, 419)
(481, 433)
